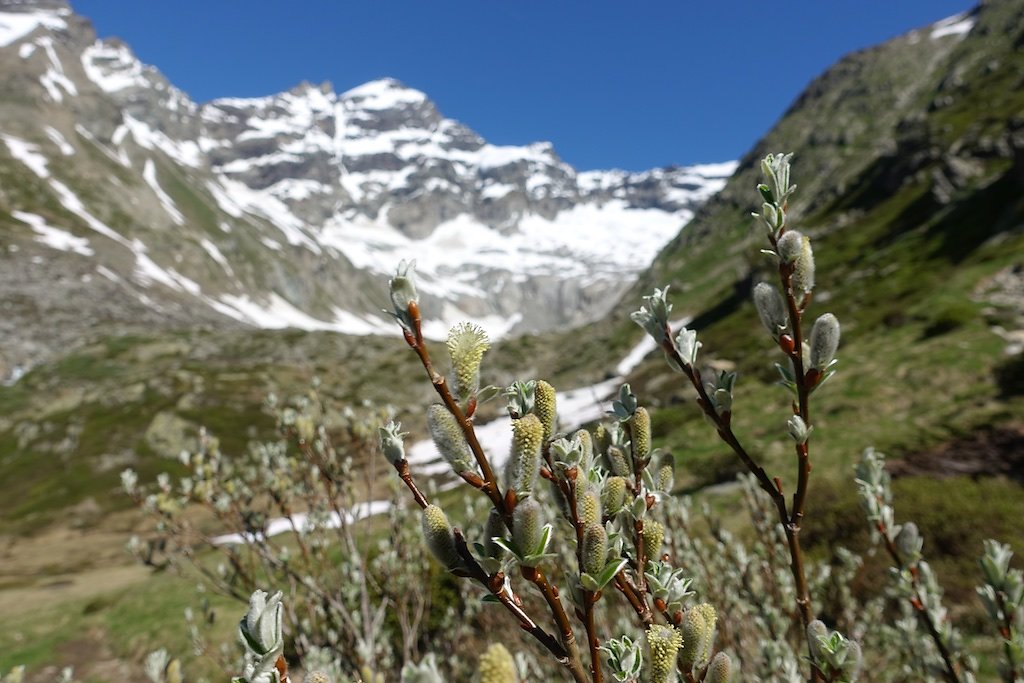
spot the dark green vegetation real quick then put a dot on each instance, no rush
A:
(910, 161)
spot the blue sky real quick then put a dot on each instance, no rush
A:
(612, 84)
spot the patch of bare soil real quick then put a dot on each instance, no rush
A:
(63, 563)
(992, 452)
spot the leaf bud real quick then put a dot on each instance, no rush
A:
(403, 294)
(392, 442)
(771, 309)
(260, 628)
(798, 429)
(909, 542)
(824, 341)
(448, 437)
(664, 643)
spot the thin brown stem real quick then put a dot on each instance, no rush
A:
(536, 576)
(496, 586)
(490, 482)
(403, 471)
(723, 424)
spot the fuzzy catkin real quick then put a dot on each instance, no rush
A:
(439, 536)
(654, 534)
(613, 496)
(526, 526)
(664, 643)
(595, 548)
(640, 425)
(720, 670)
(466, 346)
(545, 407)
(448, 437)
(694, 630)
(527, 440)
(496, 665)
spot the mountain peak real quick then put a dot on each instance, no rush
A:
(384, 93)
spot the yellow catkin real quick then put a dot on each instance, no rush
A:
(654, 534)
(466, 346)
(664, 643)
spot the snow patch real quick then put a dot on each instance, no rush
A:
(17, 25)
(28, 154)
(149, 175)
(385, 93)
(956, 25)
(58, 139)
(54, 75)
(184, 152)
(278, 313)
(112, 67)
(55, 238)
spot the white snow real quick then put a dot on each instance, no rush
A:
(54, 75)
(216, 255)
(273, 209)
(70, 201)
(956, 25)
(587, 242)
(224, 200)
(278, 313)
(17, 25)
(183, 151)
(112, 67)
(149, 175)
(493, 156)
(300, 521)
(385, 93)
(28, 154)
(55, 238)
(58, 139)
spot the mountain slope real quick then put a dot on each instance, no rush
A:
(286, 210)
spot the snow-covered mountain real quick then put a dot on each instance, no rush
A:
(123, 202)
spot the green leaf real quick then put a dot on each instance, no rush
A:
(589, 582)
(609, 571)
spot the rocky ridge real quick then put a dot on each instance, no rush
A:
(125, 203)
